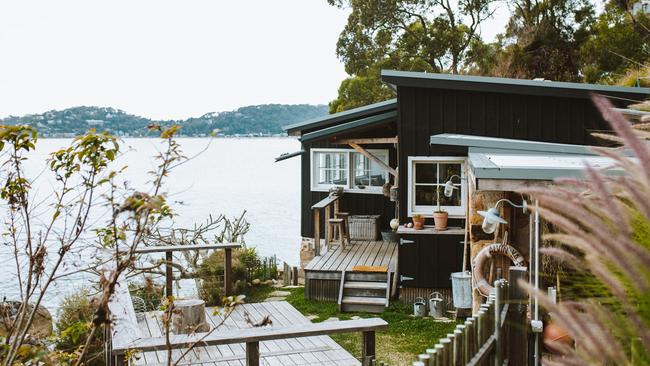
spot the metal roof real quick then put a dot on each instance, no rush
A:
(359, 123)
(496, 143)
(509, 159)
(508, 85)
(342, 117)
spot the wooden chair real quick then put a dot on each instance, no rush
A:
(339, 229)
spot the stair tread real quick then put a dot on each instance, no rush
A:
(365, 285)
(364, 300)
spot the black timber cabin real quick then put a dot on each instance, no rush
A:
(397, 132)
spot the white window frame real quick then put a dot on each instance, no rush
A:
(350, 187)
(427, 211)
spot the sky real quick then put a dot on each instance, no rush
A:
(167, 59)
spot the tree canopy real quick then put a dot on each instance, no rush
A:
(563, 40)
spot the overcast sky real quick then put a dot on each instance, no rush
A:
(169, 59)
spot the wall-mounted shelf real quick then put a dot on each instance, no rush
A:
(431, 230)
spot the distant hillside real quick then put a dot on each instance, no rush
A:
(257, 120)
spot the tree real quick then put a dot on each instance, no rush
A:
(619, 41)
(543, 39)
(413, 35)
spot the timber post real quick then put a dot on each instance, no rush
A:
(368, 347)
(227, 271)
(516, 318)
(252, 353)
(169, 275)
(316, 232)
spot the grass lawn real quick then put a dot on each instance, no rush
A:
(405, 337)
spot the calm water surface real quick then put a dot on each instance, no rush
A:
(232, 175)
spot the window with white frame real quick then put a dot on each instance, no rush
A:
(427, 177)
(348, 169)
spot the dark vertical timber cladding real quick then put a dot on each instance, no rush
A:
(353, 203)
(425, 112)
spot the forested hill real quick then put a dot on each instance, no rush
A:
(257, 120)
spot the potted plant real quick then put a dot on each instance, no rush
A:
(418, 221)
(440, 216)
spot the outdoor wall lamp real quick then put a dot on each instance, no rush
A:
(492, 219)
(449, 185)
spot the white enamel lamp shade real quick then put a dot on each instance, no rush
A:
(491, 220)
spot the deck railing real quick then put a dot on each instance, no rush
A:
(496, 335)
(169, 258)
(327, 204)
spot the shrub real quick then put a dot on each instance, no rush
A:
(151, 293)
(73, 323)
(247, 266)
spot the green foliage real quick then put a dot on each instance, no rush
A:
(260, 119)
(433, 36)
(74, 319)
(618, 42)
(246, 267)
(151, 293)
(405, 338)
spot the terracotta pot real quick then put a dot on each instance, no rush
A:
(418, 219)
(418, 225)
(556, 338)
(440, 218)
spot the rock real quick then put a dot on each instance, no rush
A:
(275, 298)
(332, 319)
(41, 327)
(280, 293)
(312, 317)
(257, 281)
(293, 286)
(268, 282)
(355, 317)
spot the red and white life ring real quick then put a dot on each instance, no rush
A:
(481, 259)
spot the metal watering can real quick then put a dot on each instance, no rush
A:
(419, 307)
(436, 305)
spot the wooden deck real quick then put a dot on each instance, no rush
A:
(357, 253)
(317, 350)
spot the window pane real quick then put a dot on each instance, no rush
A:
(331, 168)
(447, 171)
(425, 195)
(368, 172)
(426, 173)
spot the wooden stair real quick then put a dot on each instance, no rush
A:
(364, 291)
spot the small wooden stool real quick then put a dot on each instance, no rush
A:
(339, 229)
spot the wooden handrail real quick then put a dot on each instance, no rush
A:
(259, 334)
(169, 249)
(325, 204)
(184, 248)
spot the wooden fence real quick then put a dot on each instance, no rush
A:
(496, 335)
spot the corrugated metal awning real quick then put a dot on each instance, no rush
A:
(353, 125)
(286, 156)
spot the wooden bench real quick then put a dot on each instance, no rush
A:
(125, 333)
(253, 336)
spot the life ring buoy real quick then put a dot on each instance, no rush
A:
(480, 282)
